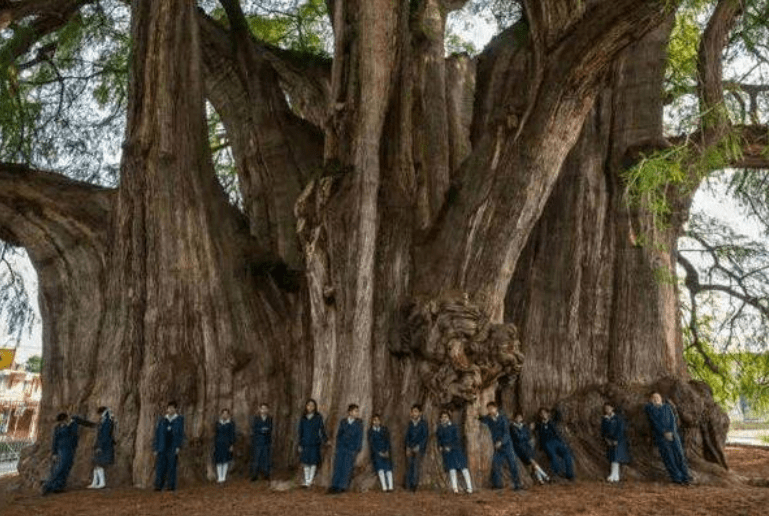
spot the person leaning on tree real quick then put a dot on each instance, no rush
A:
(499, 427)
(169, 437)
(664, 424)
(416, 445)
(379, 446)
(261, 443)
(349, 441)
(554, 446)
(103, 447)
(224, 442)
(63, 449)
(312, 435)
(520, 433)
(613, 432)
(450, 446)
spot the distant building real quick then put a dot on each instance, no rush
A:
(20, 394)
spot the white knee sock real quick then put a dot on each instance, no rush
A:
(453, 478)
(614, 477)
(313, 469)
(382, 479)
(306, 471)
(468, 480)
(225, 467)
(95, 481)
(101, 479)
(541, 475)
(389, 480)
(218, 472)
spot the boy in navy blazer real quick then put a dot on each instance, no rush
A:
(169, 436)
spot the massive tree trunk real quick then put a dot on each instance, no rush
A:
(451, 252)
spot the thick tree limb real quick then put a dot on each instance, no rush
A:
(479, 240)
(709, 67)
(41, 211)
(50, 15)
(275, 151)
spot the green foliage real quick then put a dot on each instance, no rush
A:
(681, 71)
(742, 374)
(677, 170)
(34, 364)
(725, 386)
(291, 25)
(456, 44)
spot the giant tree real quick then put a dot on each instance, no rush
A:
(411, 228)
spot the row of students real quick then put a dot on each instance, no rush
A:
(509, 440)
(64, 446)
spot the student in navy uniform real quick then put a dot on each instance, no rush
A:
(224, 442)
(62, 453)
(662, 419)
(103, 448)
(503, 446)
(261, 443)
(349, 441)
(169, 436)
(379, 445)
(450, 446)
(416, 445)
(520, 433)
(613, 432)
(558, 452)
(312, 435)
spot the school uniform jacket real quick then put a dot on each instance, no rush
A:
(448, 437)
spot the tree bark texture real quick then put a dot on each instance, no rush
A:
(415, 229)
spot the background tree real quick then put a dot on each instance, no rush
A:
(406, 226)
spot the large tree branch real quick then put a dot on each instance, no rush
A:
(47, 17)
(275, 151)
(48, 213)
(305, 79)
(715, 119)
(475, 246)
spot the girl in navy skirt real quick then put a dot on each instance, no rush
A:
(450, 446)
(223, 444)
(312, 435)
(379, 444)
(103, 448)
(613, 432)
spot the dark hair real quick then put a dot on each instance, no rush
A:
(225, 409)
(263, 404)
(62, 416)
(376, 416)
(445, 412)
(101, 410)
(172, 404)
(491, 404)
(351, 407)
(314, 403)
(416, 406)
(609, 404)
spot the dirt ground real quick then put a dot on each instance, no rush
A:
(587, 498)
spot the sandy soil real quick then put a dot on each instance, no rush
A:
(586, 498)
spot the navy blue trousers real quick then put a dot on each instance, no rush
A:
(502, 455)
(673, 457)
(59, 473)
(343, 466)
(165, 471)
(261, 461)
(412, 474)
(561, 461)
